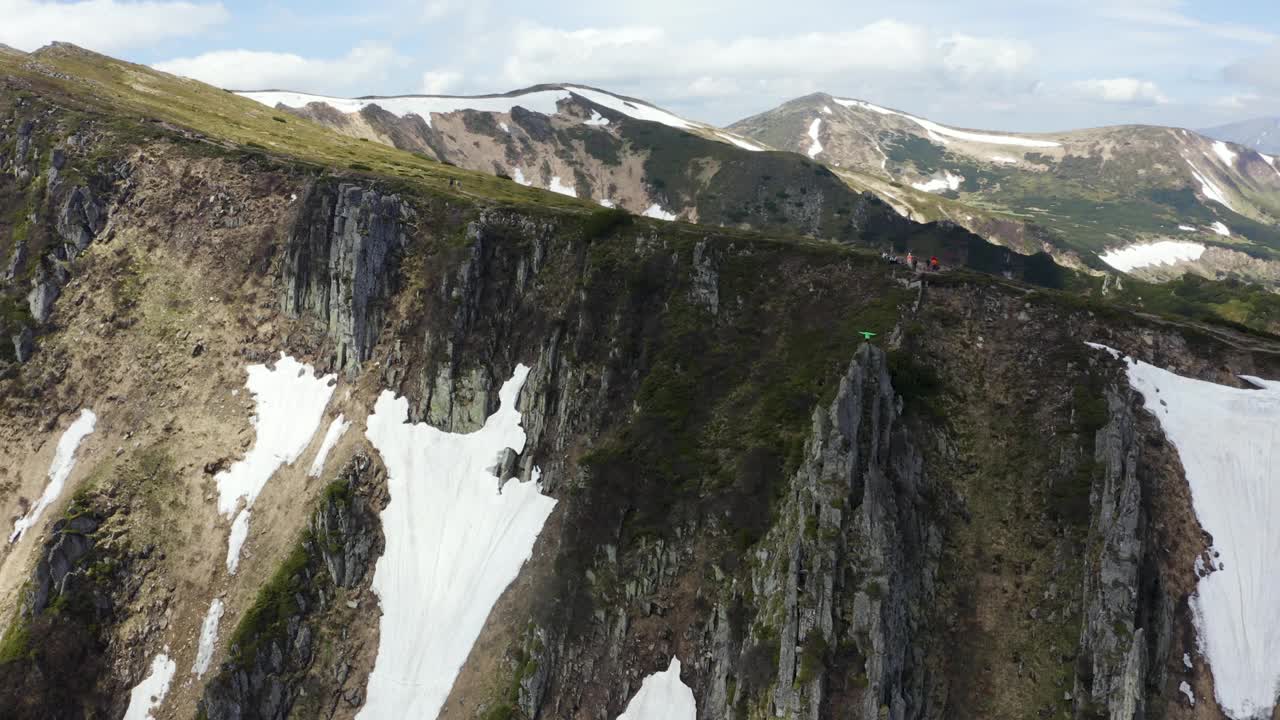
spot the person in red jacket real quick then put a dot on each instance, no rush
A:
(933, 263)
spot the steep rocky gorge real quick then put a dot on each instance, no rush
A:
(970, 516)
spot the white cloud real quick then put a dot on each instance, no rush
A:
(254, 70)
(1237, 101)
(1261, 71)
(973, 57)
(438, 82)
(1131, 91)
(711, 87)
(1170, 14)
(643, 54)
(436, 9)
(104, 25)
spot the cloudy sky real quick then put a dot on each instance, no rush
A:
(1024, 65)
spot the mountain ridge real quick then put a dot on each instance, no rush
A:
(1078, 194)
(997, 192)
(970, 514)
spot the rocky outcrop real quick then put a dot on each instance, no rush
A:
(60, 207)
(17, 261)
(340, 265)
(80, 218)
(70, 540)
(849, 571)
(55, 652)
(42, 297)
(22, 149)
(23, 344)
(1110, 679)
(1128, 637)
(273, 660)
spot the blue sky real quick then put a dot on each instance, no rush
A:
(1027, 65)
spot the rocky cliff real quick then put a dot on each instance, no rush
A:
(291, 654)
(966, 515)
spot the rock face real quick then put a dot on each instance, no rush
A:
(41, 299)
(55, 217)
(1113, 651)
(274, 663)
(855, 566)
(69, 542)
(1127, 638)
(340, 263)
(23, 344)
(79, 219)
(79, 585)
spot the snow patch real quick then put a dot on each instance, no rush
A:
(632, 108)
(865, 106)
(1270, 161)
(423, 106)
(596, 120)
(456, 537)
(518, 176)
(208, 638)
(826, 110)
(290, 405)
(815, 145)
(933, 127)
(662, 696)
(606, 202)
(148, 694)
(64, 461)
(1185, 689)
(235, 540)
(1163, 252)
(1186, 660)
(656, 212)
(1187, 228)
(1004, 159)
(559, 187)
(1228, 440)
(740, 142)
(1211, 191)
(1224, 153)
(1221, 229)
(948, 181)
(504, 127)
(335, 432)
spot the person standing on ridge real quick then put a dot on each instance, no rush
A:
(933, 263)
(911, 260)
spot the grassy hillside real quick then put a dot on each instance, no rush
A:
(217, 117)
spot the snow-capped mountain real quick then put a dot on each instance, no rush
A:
(570, 139)
(1077, 194)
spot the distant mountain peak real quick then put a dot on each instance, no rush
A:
(1077, 194)
(1261, 134)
